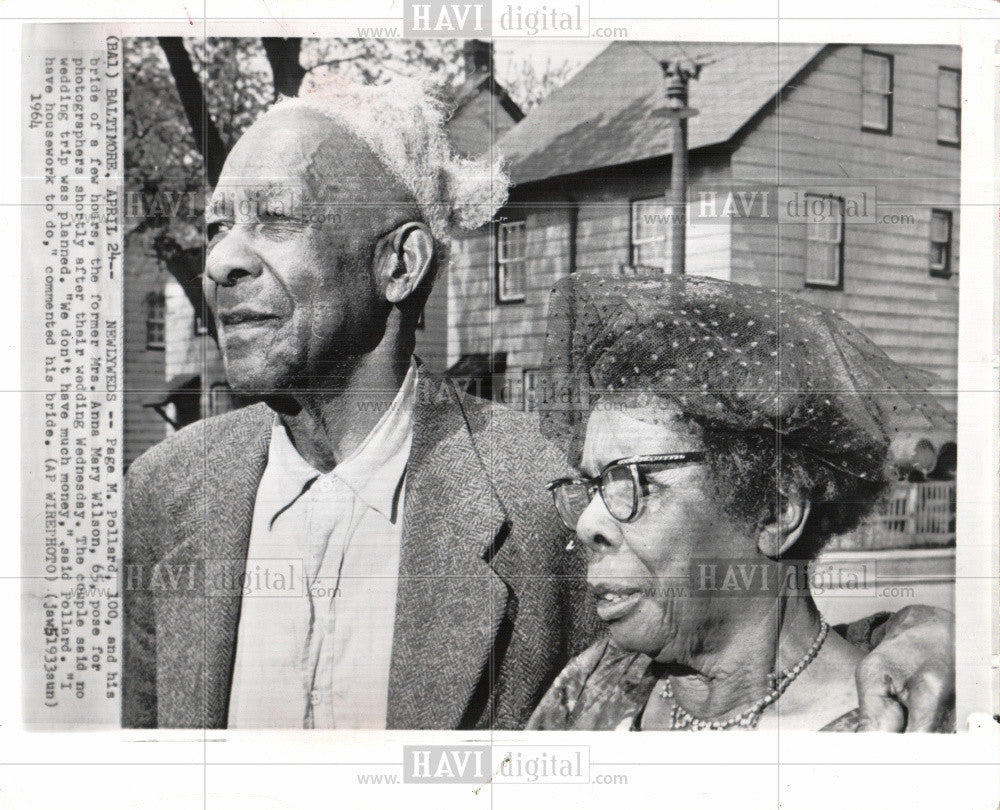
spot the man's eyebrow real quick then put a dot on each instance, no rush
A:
(273, 188)
(288, 196)
(215, 210)
(218, 200)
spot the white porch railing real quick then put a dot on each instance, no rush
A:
(916, 515)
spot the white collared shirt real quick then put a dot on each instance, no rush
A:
(319, 600)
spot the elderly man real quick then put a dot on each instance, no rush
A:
(364, 548)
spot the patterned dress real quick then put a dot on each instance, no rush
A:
(606, 688)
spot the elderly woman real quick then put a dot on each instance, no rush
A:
(730, 431)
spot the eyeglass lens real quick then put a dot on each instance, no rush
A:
(618, 490)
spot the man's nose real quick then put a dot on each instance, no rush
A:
(231, 260)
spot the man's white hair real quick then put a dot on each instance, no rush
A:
(403, 124)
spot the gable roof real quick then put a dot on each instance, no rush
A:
(604, 116)
(471, 88)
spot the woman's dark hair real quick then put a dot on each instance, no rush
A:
(752, 470)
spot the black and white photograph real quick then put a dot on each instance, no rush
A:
(350, 442)
(391, 396)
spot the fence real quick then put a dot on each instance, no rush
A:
(916, 515)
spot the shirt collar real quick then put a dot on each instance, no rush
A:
(373, 471)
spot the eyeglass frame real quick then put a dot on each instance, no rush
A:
(632, 463)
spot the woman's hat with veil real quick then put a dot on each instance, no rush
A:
(732, 356)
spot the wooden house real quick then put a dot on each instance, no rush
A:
(826, 128)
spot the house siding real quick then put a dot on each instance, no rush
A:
(477, 124)
(600, 206)
(189, 354)
(472, 131)
(144, 369)
(814, 136)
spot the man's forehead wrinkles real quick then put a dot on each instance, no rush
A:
(258, 193)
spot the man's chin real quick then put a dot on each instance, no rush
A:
(250, 382)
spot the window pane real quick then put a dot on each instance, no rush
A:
(822, 263)
(512, 280)
(653, 254)
(940, 227)
(949, 88)
(875, 111)
(826, 228)
(529, 387)
(948, 124)
(519, 242)
(817, 231)
(219, 399)
(155, 334)
(939, 256)
(512, 239)
(875, 72)
(650, 218)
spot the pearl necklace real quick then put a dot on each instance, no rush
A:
(681, 718)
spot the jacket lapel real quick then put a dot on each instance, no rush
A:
(450, 601)
(197, 630)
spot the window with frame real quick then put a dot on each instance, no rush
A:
(650, 236)
(824, 264)
(876, 91)
(156, 321)
(512, 250)
(940, 243)
(949, 106)
(220, 399)
(529, 389)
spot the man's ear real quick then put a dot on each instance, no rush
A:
(783, 531)
(403, 259)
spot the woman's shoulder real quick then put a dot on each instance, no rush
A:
(604, 687)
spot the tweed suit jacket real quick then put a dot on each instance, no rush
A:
(489, 607)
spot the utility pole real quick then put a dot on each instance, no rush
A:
(678, 72)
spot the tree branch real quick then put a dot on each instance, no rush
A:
(192, 94)
(338, 61)
(283, 54)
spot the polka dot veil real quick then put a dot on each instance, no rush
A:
(735, 356)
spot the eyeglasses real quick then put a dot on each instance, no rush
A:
(621, 485)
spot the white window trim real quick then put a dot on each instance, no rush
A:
(887, 94)
(838, 283)
(942, 270)
(636, 243)
(215, 393)
(502, 261)
(531, 374)
(155, 299)
(958, 109)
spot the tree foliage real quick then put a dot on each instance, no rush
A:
(187, 101)
(528, 84)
